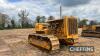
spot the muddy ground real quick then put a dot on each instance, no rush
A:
(14, 43)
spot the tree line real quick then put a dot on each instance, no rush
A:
(83, 22)
(9, 23)
(24, 22)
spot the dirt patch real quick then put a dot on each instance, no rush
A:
(14, 43)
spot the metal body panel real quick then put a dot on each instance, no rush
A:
(49, 35)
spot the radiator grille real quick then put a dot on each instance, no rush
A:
(72, 26)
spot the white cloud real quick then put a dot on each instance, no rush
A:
(90, 11)
(49, 7)
(6, 5)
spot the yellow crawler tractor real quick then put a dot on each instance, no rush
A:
(51, 34)
(91, 31)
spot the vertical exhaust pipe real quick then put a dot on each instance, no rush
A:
(60, 10)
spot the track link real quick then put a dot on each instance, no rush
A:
(48, 42)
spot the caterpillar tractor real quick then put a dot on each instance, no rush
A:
(91, 31)
(52, 33)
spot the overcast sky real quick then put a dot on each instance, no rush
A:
(81, 8)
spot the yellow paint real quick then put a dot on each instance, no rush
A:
(65, 35)
(41, 27)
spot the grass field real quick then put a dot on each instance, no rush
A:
(14, 43)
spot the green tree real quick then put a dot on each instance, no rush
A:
(3, 20)
(51, 18)
(38, 19)
(43, 18)
(13, 23)
(83, 22)
(9, 26)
